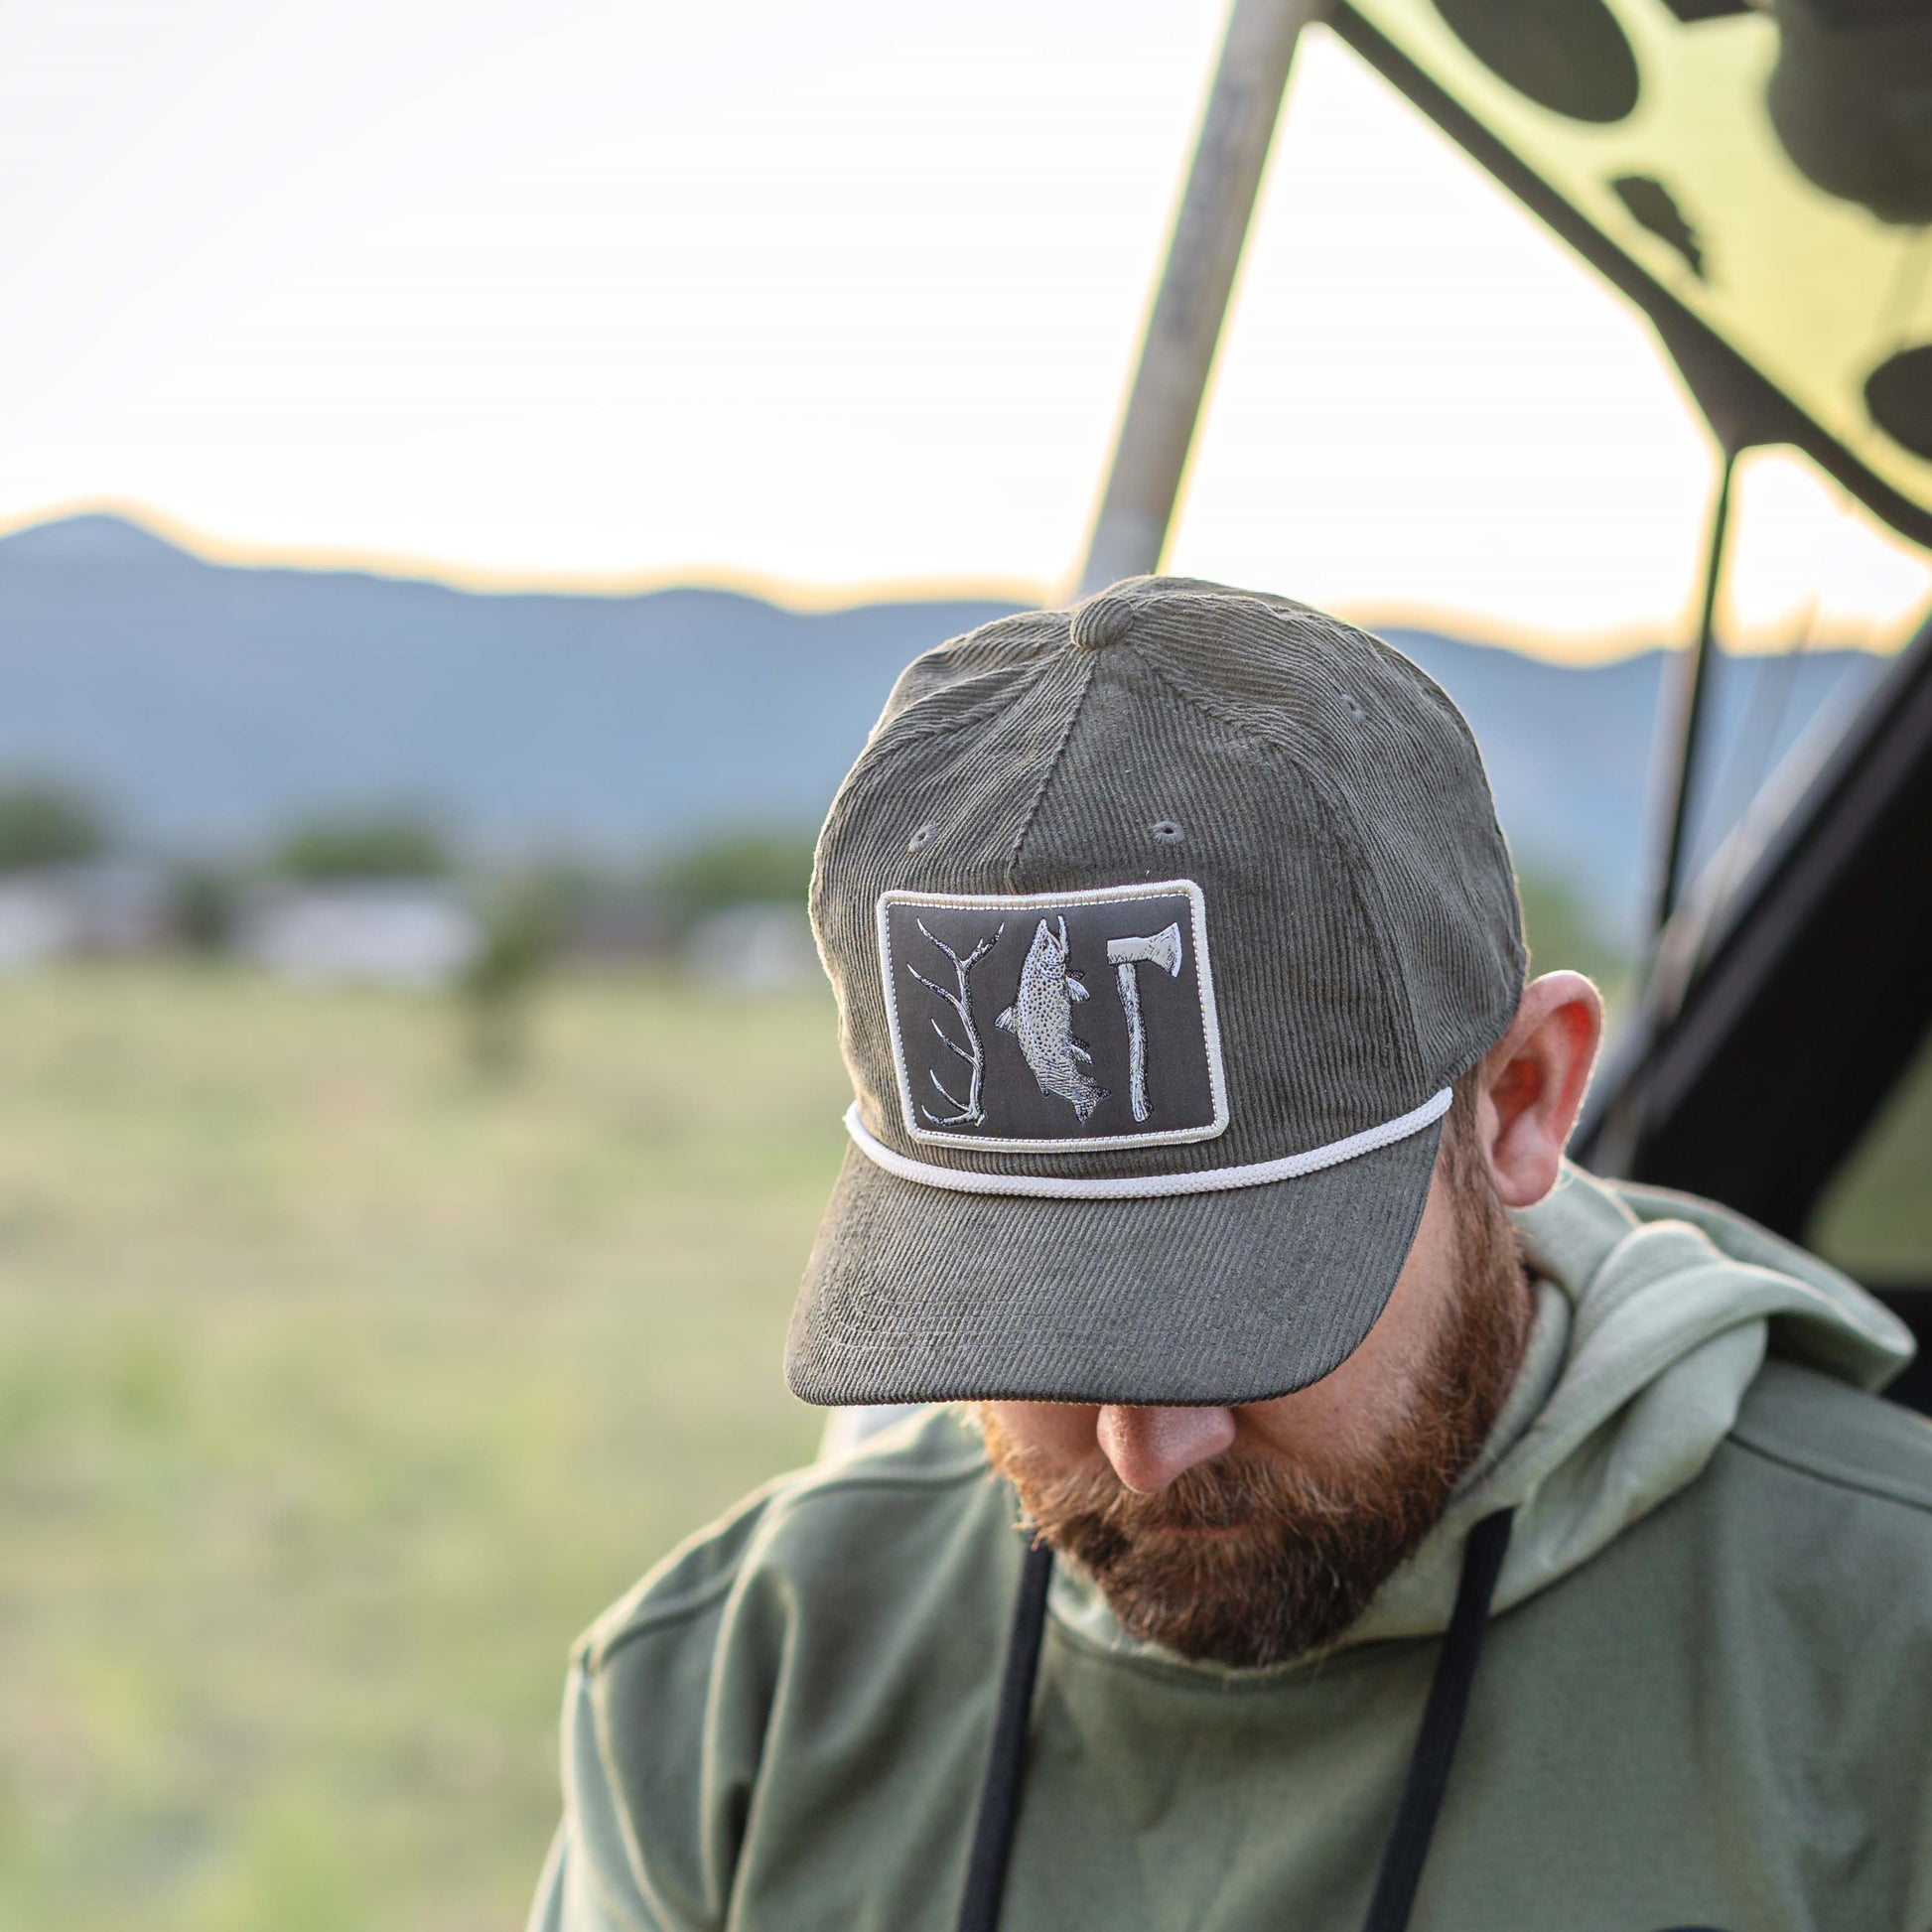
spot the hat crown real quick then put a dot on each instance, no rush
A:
(1297, 802)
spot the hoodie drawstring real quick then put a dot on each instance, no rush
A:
(1406, 1845)
(1006, 1764)
(1441, 1727)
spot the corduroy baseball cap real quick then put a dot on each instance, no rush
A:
(1159, 928)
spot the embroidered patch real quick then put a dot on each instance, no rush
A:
(1049, 1020)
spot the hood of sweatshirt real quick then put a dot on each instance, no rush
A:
(1655, 1312)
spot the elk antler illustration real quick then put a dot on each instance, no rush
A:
(967, 1112)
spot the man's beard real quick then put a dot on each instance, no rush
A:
(1308, 1549)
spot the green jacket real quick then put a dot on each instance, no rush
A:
(1706, 1699)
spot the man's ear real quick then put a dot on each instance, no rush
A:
(1532, 1082)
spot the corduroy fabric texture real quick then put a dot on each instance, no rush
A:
(1117, 1300)
(1366, 946)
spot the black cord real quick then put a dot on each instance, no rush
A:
(1421, 1793)
(1442, 1728)
(986, 1869)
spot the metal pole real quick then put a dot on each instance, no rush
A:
(1619, 1139)
(1157, 430)
(1682, 710)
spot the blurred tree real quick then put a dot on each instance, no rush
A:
(735, 868)
(375, 846)
(47, 824)
(523, 927)
(1561, 934)
(204, 908)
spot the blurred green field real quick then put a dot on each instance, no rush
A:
(342, 1386)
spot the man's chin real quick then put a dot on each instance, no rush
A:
(1245, 1598)
(1248, 1559)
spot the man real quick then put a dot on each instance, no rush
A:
(1207, 1149)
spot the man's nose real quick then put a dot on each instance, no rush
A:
(1148, 1448)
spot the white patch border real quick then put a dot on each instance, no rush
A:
(1032, 901)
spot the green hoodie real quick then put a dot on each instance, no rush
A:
(1705, 1700)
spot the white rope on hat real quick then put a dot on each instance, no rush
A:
(1205, 1180)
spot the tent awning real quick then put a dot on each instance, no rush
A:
(1757, 179)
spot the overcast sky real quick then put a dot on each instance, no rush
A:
(830, 296)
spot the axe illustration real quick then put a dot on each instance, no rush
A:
(1164, 950)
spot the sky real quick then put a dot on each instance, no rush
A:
(829, 298)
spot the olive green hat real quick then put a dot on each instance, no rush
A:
(1159, 928)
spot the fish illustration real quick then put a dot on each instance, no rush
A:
(1041, 1019)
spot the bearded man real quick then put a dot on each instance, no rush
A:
(1337, 1511)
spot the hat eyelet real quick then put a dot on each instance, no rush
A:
(921, 837)
(1356, 709)
(1167, 831)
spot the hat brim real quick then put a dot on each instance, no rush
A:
(920, 1294)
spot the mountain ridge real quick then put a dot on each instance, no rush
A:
(209, 705)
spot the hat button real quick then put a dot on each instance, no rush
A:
(1102, 620)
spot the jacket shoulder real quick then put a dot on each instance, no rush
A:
(812, 1612)
(814, 1521)
(1824, 1432)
